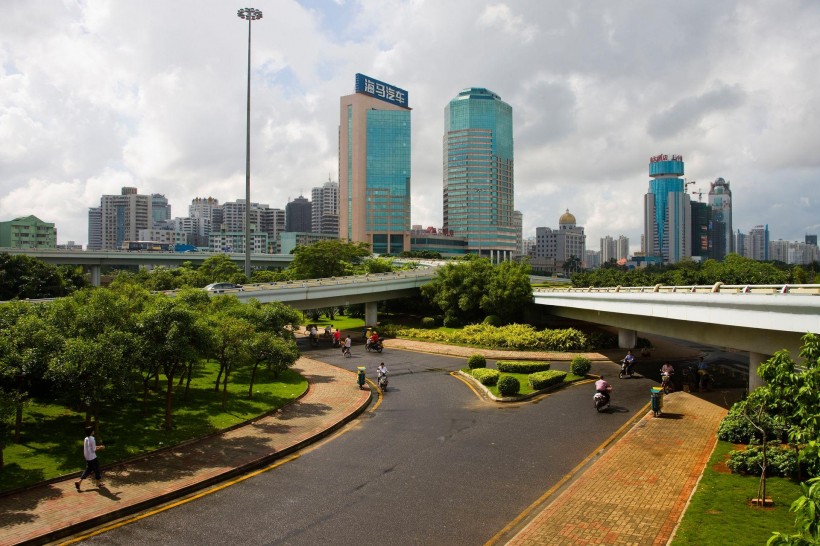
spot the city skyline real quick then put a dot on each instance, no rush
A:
(98, 96)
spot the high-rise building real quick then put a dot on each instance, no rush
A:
(614, 250)
(27, 232)
(518, 223)
(667, 214)
(160, 209)
(374, 166)
(622, 252)
(325, 213)
(263, 220)
(720, 200)
(204, 215)
(298, 215)
(478, 173)
(700, 237)
(561, 245)
(757, 243)
(811, 240)
(123, 216)
(94, 228)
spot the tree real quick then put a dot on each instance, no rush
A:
(806, 520)
(220, 268)
(25, 277)
(508, 291)
(274, 352)
(324, 259)
(230, 346)
(572, 264)
(9, 400)
(170, 336)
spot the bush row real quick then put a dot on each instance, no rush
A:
(486, 376)
(521, 366)
(780, 460)
(542, 380)
(511, 336)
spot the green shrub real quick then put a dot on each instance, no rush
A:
(781, 460)
(439, 320)
(602, 340)
(493, 320)
(508, 386)
(428, 322)
(542, 380)
(485, 376)
(580, 365)
(476, 361)
(388, 330)
(523, 366)
(736, 428)
(451, 322)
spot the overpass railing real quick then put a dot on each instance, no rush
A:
(717, 288)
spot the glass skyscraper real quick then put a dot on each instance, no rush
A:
(667, 211)
(374, 166)
(478, 173)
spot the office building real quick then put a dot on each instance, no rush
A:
(614, 250)
(204, 214)
(28, 232)
(518, 224)
(565, 245)
(263, 219)
(122, 216)
(160, 209)
(757, 243)
(94, 228)
(374, 166)
(667, 214)
(701, 234)
(592, 259)
(325, 213)
(720, 201)
(298, 214)
(478, 173)
(437, 241)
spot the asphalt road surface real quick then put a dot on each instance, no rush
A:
(432, 464)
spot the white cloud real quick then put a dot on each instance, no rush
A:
(96, 95)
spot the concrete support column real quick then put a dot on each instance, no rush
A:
(371, 315)
(627, 339)
(95, 275)
(755, 360)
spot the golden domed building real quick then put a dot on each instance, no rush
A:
(562, 249)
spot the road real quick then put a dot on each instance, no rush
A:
(431, 464)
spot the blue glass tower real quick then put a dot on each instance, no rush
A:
(478, 173)
(667, 211)
(374, 166)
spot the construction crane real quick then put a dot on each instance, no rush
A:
(699, 194)
(691, 183)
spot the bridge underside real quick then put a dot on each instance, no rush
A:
(303, 302)
(754, 340)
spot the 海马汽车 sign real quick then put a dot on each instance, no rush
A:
(381, 90)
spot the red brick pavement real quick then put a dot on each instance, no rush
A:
(637, 490)
(48, 511)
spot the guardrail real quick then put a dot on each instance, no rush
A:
(717, 288)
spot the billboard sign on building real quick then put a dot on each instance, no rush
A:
(380, 90)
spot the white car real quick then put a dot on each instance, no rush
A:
(223, 286)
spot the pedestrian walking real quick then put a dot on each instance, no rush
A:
(92, 463)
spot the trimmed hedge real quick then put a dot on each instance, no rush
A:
(580, 365)
(511, 336)
(522, 366)
(476, 361)
(486, 376)
(542, 380)
(508, 386)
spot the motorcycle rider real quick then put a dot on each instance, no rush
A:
(603, 387)
(374, 339)
(381, 371)
(667, 370)
(629, 361)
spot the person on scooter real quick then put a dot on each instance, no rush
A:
(667, 371)
(629, 361)
(603, 387)
(374, 339)
(381, 371)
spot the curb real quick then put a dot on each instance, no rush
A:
(187, 490)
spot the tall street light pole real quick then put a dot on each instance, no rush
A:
(250, 14)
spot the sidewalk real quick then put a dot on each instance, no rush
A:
(47, 512)
(636, 492)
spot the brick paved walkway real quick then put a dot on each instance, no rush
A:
(52, 510)
(637, 490)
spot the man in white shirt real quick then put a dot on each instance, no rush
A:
(92, 463)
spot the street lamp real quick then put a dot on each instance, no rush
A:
(250, 14)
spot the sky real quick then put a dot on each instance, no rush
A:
(96, 95)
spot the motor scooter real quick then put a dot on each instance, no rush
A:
(383, 382)
(626, 369)
(666, 382)
(377, 346)
(600, 401)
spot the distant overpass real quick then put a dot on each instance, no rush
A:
(94, 260)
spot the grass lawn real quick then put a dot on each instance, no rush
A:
(52, 434)
(340, 323)
(524, 382)
(720, 512)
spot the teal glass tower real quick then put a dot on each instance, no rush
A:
(667, 211)
(374, 167)
(478, 173)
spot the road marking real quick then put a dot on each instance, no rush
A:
(468, 383)
(186, 500)
(540, 501)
